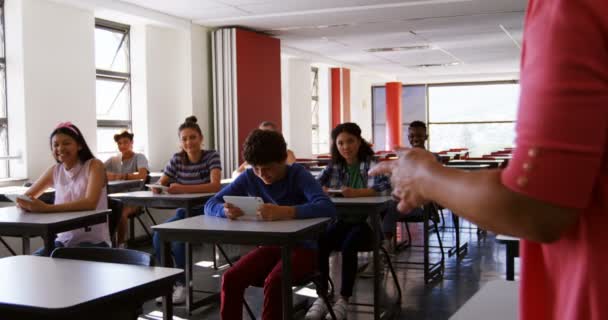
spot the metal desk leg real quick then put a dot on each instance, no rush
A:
(287, 293)
(25, 244)
(459, 250)
(49, 243)
(188, 266)
(376, 258)
(510, 261)
(165, 256)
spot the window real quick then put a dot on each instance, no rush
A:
(413, 108)
(4, 163)
(480, 117)
(317, 140)
(113, 83)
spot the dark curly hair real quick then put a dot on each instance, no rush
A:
(365, 149)
(263, 147)
(123, 134)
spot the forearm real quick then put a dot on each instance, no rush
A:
(136, 176)
(202, 188)
(367, 192)
(481, 198)
(79, 205)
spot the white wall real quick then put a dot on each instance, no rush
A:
(169, 90)
(56, 74)
(51, 78)
(296, 113)
(202, 98)
(361, 102)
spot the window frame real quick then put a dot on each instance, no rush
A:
(4, 120)
(121, 77)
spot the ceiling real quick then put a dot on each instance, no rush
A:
(440, 40)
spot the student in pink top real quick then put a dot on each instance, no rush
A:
(79, 180)
(554, 193)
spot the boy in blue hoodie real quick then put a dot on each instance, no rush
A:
(289, 192)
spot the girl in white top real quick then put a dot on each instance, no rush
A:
(79, 181)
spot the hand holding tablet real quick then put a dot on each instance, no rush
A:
(14, 197)
(248, 205)
(159, 187)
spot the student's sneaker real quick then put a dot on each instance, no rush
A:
(179, 295)
(340, 308)
(317, 311)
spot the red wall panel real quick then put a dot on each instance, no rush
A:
(336, 95)
(258, 67)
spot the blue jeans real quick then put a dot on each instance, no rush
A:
(178, 249)
(43, 252)
(348, 239)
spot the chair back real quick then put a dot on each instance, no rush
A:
(112, 255)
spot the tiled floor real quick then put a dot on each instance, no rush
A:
(484, 261)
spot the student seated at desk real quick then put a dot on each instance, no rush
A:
(351, 158)
(79, 180)
(127, 165)
(289, 192)
(193, 170)
(266, 125)
(417, 136)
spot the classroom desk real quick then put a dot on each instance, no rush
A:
(163, 200)
(468, 167)
(15, 222)
(125, 185)
(375, 206)
(47, 196)
(308, 164)
(209, 229)
(166, 201)
(496, 300)
(473, 161)
(512, 244)
(52, 288)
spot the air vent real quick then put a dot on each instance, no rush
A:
(404, 48)
(430, 65)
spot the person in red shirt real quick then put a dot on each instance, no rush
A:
(554, 193)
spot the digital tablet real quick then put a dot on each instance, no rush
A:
(14, 197)
(249, 205)
(158, 186)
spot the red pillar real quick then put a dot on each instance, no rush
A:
(336, 97)
(393, 115)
